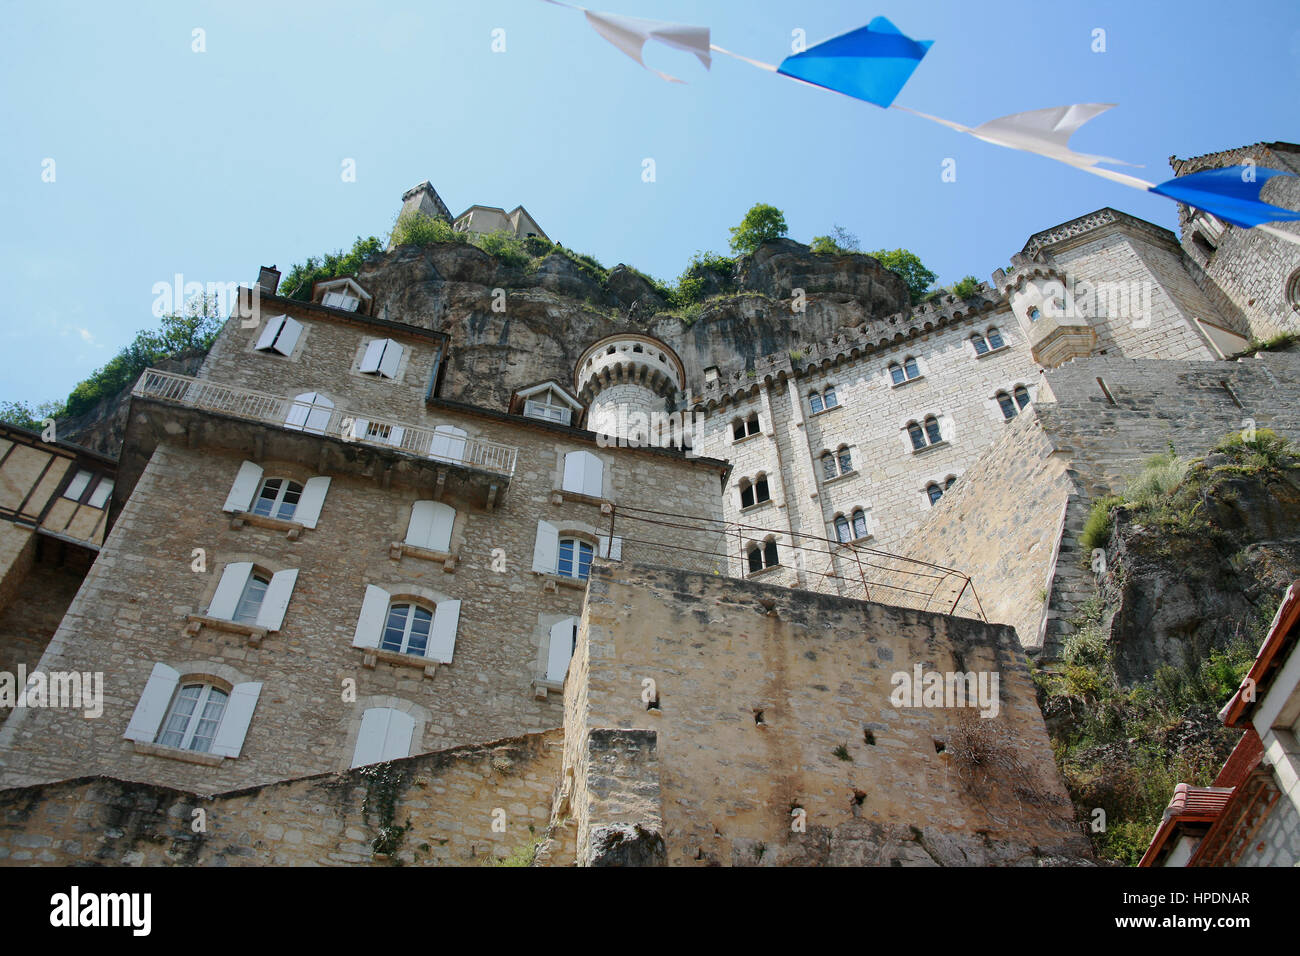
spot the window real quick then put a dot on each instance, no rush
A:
(386, 734)
(1007, 405)
(584, 474)
(710, 375)
(829, 395)
(859, 524)
(422, 628)
(381, 358)
(407, 629)
(1035, 314)
(760, 489)
(310, 412)
(575, 558)
(952, 480)
(981, 346)
(341, 300)
(934, 492)
(194, 718)
(250, 596)
(988, 342)
(746, 493)
(280, 335)
(192, 714)
(89, 488)
(77, 486)
(995, 339)
(763, 556)
(828, 466)
(1022, 396)
(845, 459)
(744, 428)
(815, 400)
(548, 407)
(99, 497)
(430, 526)
(564, 640)
(278, 498)
(836, 464)
(755, 492)
(925, 434)
(842, 529)
(905, 372)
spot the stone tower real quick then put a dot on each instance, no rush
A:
(629, 382)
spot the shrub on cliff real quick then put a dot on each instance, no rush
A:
(761, 224)
(298, 282)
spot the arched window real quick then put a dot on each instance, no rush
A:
(250, 601)
(859, 524)
(842, 530)
(815, 400)
(828, 466)
(770, 558)
(575, 558)
(406, 631)
(995, 339)
(916, 435)
(829, 396)
(385, 734)
(910, 367)
(1035, 314)
(761, 493)
(845, 458)
(277, 498)
(755, 559)
(934, 491)
(981, 346)
(310, 412)
(194, 717)
(905, 372)
(932, 430)
(1007, 405)
(896, 373)
(1022, 396)
(743, 428)
(746, 493)
(952, 480)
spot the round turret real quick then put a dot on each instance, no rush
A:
(624, 377)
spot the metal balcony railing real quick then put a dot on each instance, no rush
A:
(313, 414)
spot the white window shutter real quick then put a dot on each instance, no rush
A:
(318, 417)
(574, 472)
(247, 481)
(311, 501)
(561, 649)
(370, 738)
(276, 600)
(616, 552)
(234, 722)
(230, 589)
(273, 325)
(444, 516)
(374, 609)
(395, 434)
(374, 352)
(421, 524)
(391, 357)
(359, 426)
(442, 636)
(594, 476)
(397, 742)
(546, 549)
(288, 336)
(152, 706)
(448, 443)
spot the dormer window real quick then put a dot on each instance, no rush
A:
(546, 402)
(344, 294)
(341, 300)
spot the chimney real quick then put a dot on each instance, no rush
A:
(268, 279)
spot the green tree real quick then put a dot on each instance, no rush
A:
(761, 224)
(27, 416)
(839, 241)
(297, 284)
(909, 266)
(966, 288)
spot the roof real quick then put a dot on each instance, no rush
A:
(1192, 808)
(1272, 655)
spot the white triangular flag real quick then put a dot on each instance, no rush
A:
(630, 35)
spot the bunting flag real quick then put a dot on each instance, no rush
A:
(871, 63)
(1231, 193)
(630, 34)
(874, 62)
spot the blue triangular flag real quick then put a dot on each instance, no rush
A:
(870, 63)
(1231, 193)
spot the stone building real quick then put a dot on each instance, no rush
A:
(398, 526)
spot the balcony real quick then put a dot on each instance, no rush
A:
(174, 405)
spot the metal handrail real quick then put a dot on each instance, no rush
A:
(440, 443)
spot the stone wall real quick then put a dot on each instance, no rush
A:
(466, 806)
(768, 701)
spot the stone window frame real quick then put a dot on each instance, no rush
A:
(559, 495)
(941, 484)
(400, 548)
(218, 562)
(922, 422)
(768, 552)
(753, 419)
(840, 472)
(820, 394)
(849, 516)
(984, 337)
(407, 592)
(746, 482)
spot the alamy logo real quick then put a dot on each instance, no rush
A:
(946, 689)
(636, 429)
(102, 909)
(64, 689)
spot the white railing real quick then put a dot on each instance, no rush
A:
(440, 443)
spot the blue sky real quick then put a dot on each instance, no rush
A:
(210, 164)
